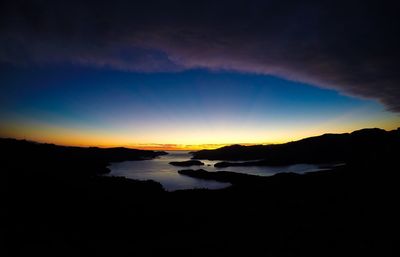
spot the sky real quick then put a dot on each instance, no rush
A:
(179, 75)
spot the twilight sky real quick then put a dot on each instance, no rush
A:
(178, 74)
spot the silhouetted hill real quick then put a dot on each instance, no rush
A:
(355, 146)
(92, 159)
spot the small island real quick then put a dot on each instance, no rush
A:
(222, 176)
(187, 163)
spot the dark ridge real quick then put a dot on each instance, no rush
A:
(328, 148)
(187, 163)
(92, 160)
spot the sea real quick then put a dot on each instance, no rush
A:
(160, 170)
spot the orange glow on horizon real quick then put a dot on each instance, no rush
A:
(182, 138)
(173, 147)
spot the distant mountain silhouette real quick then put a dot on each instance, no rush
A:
(356, 146)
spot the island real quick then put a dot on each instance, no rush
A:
(187, 163)
(222, 176)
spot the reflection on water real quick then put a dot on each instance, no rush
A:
(161, 171)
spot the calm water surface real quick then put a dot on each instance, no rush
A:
(161, 171)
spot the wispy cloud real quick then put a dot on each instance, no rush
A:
(350, 46)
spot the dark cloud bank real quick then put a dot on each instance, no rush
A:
(351, 46)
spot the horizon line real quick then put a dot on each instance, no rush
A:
(150, 146)
(176, 147)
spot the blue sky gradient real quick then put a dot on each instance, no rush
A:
(186, 108)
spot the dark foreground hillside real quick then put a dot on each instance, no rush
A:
(63, 210)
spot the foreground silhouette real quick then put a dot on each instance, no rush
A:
(56, 205)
